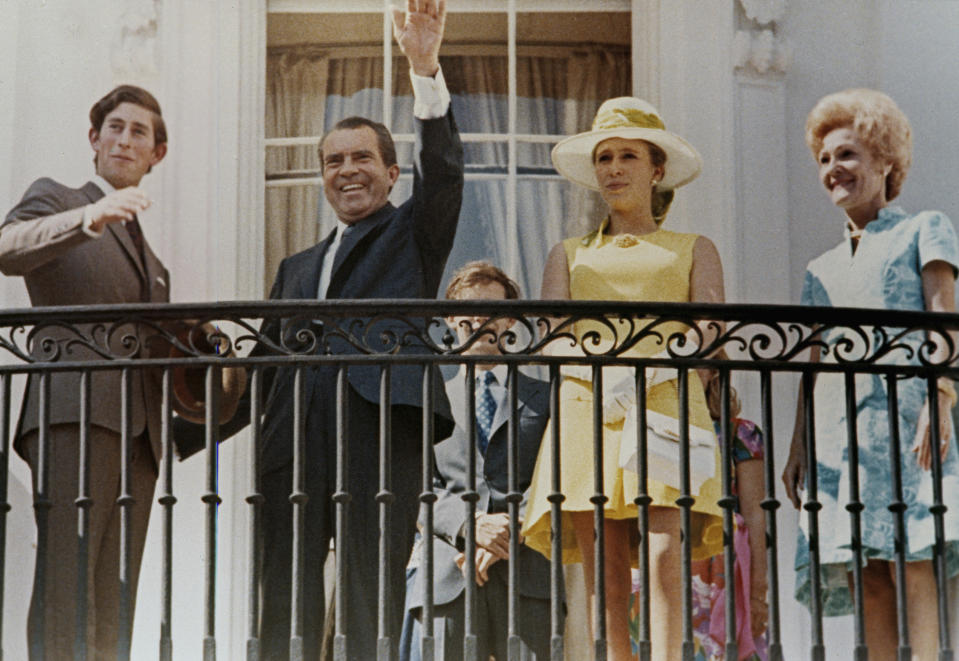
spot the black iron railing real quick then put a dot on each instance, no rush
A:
(403, 335)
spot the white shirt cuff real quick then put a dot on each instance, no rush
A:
(431, 99)
(88, 224)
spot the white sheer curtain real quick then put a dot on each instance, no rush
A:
(309, 89)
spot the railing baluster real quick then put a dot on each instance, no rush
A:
(5, 382)
(83, 502)
(685, 503)
(812, 507)
(166, 500)
(770, 504)
(211, 499)
(41, 506)
(643, 501)
(298, 501)
(938, 511)
(513, 499)
(255, 500)
(855, 508)
(728, 503)
(599, 516)
(556, 590)
(341, 499)
(470, 642)
(898, 509)
(126, 502)
(427, 498)
(385, 499)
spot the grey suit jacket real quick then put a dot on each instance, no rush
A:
(42, 239)
(451, 481)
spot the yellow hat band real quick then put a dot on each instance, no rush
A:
(619, 118)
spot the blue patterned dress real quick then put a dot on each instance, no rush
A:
(884, 272)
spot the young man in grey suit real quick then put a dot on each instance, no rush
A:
(483, 281)
(83, 246)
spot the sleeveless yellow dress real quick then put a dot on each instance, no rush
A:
(648, 268)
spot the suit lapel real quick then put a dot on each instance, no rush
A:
(501, 417)
(353, 238)
(120, 233)
(310, 282)
(93, 193)
(456, 391)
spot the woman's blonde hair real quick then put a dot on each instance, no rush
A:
(878, 122)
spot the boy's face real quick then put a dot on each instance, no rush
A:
(126, 145)
(486, 343)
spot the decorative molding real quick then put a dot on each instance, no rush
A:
(764, 12)
(758, 47)
(133, 53)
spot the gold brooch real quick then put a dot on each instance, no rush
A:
(625, 240)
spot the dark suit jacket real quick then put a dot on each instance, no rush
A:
(42, 239)
(397, 252)
(450, 510)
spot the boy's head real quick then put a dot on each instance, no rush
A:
(481, 281)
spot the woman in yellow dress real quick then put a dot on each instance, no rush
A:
(635, 164)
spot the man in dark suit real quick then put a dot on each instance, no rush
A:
(79, 247)
(377, 251)
(475, 281)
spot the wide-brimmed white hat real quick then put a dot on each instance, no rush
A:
(630, 118)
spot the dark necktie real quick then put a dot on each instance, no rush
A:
(485, 410)
(136, 235)
(341, 249)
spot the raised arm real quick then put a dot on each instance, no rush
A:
(419, 33)
(438, 152)
(40, 228)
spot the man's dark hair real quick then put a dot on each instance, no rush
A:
(384, 139)
(129, 94)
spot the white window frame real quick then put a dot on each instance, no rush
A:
(512, 139)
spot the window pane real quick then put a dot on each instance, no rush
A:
(324, 67)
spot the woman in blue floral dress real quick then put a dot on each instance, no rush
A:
(887, 259)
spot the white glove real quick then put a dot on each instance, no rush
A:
(619, 385)
(619, 395)
(619, 391)
(657, 375)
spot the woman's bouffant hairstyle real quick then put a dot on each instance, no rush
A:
(480, 273)
(878, 122)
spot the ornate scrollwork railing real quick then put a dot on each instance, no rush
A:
(773, 337)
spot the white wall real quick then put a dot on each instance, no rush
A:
(57, 57)
(835, 46)
(918, 65)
